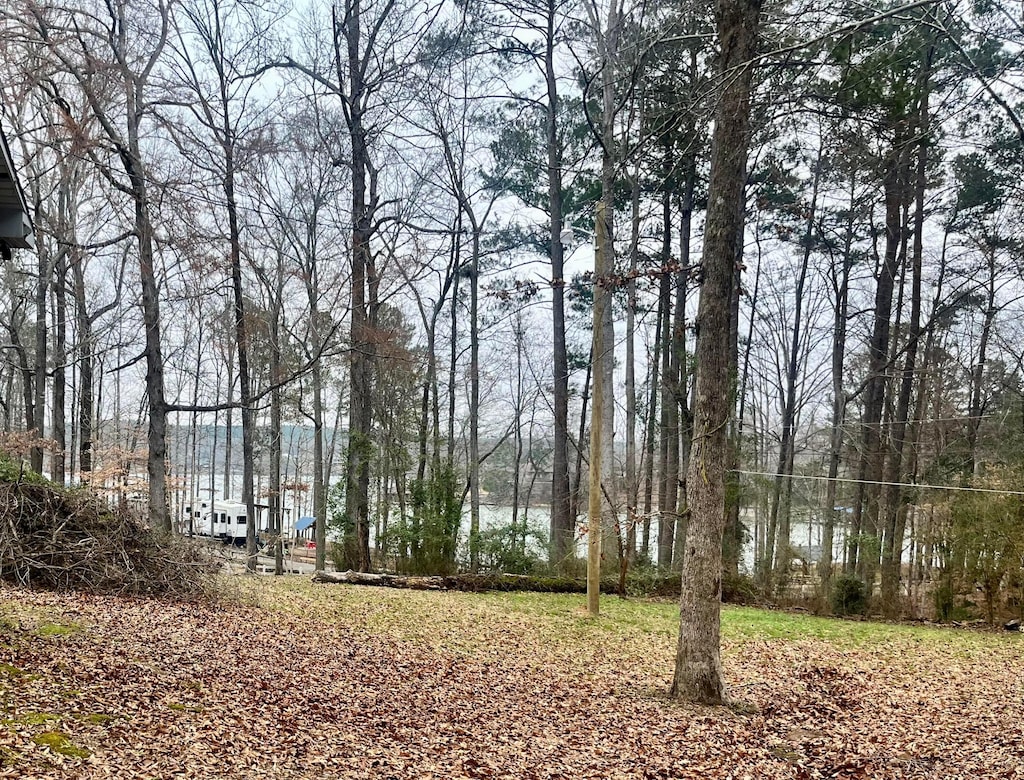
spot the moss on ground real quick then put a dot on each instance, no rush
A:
(60, 743)
(57, 629)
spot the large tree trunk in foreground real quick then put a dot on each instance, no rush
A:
(698, 668)
(347, 30)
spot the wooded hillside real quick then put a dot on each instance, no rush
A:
(352, 261)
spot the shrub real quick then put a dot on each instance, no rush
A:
(739, 589)
(512, 549)
(944, 602)
(849, 596)
(647, 580)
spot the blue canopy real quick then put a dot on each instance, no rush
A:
(304, 523)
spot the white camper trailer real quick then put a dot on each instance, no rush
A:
(224, 520)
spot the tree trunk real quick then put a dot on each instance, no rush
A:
(895, 504)
(357, 476)
(319, 482)
(474, 400)
(698, 668)
(783, 487)
(58, 466)
(229, 423)
(577, 483)
(632, 482)
(869, 473)
(562, 517)
(38, 400)
(241, 337)
(680, 368)
(12, 323)
(668, 448)
(517, 451)
(84, 348)
(600, 355)
(649, 431)
(734, 536)
(839, 399)
(977, 387)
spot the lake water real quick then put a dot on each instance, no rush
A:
(804, 535)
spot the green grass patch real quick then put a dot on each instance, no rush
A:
(178, 707)
(32, 719)
(97, 719)
(467, 620)
(751, 624)
(60, 743)
(57, 629)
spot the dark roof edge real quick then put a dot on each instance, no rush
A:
(8, 161)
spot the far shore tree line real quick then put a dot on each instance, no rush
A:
(704, 272)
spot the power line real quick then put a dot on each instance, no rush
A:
(882, 483)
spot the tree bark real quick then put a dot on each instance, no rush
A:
(58, 465)
(347, 32)
(680, 368)
(668, 448)
(698, 668)
(84, 349)
(839, 399)
(562, 517)
(895, 504)
(869, 473)
(628, 539)
(474, 396)
(602, 294)
(43, 273)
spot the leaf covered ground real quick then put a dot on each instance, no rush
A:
(292, 680)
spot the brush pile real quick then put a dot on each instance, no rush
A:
(62, 540)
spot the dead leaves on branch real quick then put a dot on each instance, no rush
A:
(341, 686)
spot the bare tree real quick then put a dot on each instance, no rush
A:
(111, 53)
(220, 50)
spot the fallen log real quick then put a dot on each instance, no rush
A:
(474, 583)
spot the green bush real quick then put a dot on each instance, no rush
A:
(512, 549)
(739, 589)
(944, 602)
(15, 470)
(647, 580)
(849, 596)
(431, 533)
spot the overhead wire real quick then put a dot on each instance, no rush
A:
(882, 483)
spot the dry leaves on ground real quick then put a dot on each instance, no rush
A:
(346, 682)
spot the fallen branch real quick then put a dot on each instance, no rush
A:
(474, 583)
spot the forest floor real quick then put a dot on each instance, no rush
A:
(291, 680)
